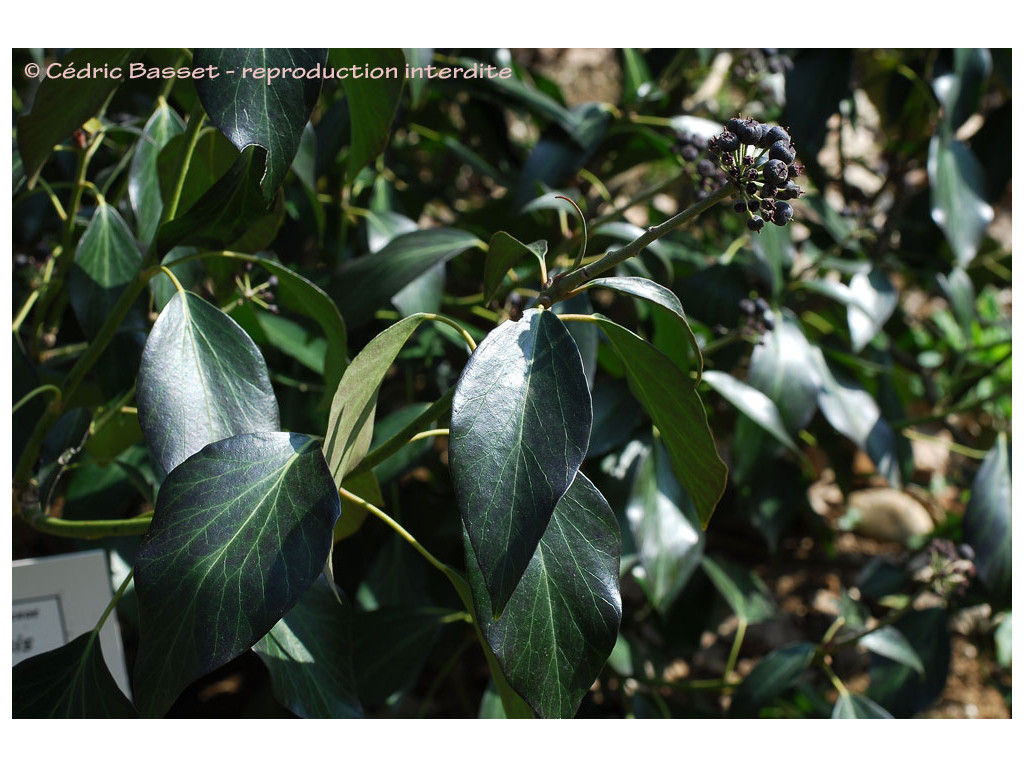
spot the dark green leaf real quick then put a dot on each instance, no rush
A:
(405, 456)
(987, 524)
(188, 273)
(898, 688)
(391, 646)
(225, 211)
(636, 76)
(68, 682)
(959, 291)
(670, 399)
(367, 283)
(657, 294)
(309, 656)
(817, 82)
(743, 590)
(212, 157)
(774, 252)
(584, 334)
(422, 294)
(853, 706)
(504, 253)
(876, 294)
(62, 105)
(365, 486)
(890, 643)
(304, 164)
(372, 103)
(143, 174)
(783, 368)
(106, 261)
(61, 445)
(854, 414)
(350, 425)
(384, 226)
(960, 91)
(241, 530)
(753, 403)
(521, 419)
(201, 379)
(772, 677)
(253, 109)
(418, 58)
(665, 527)
(958, 196)
(561, 622)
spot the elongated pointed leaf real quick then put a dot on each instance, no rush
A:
(143, 173)
(70, 681)
(241, 530)
(648, 290)
(418, 58)
(105, 263)
(560, 625)
(665, 527)
(987, 524)
(201, 379)
(772, 677)
(672, 402)
(852, 706)
(368, 283)
(890, 643)
(372, 103)
(958, 196)
(876, 294)
(309, 656)
(504, 253)
(261, 109)
(350, 424)
(225, 211)
(61, 105)
(783, 368)
(752, 403)
(521, 419)
(742, 589)
(898, 688)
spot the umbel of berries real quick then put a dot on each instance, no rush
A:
(708, 176)
(759, 160)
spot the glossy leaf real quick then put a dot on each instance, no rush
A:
(648, 290)
(106, 261)
(368, 283)
(225, 211)
(212, 157)
(752, 403)
(418, 58)
(561, 622)
(742, 589)
(309, 656)
(664, 524)
(960, 91)
(504, 253)
(636, 75)
(585, 335)
(201, 380)
(372, 103)
(890, 643)
(63, 105)
(188, 273)
(68, 682)
(520, 425)
(898, 688)
(350, 424)
(783, 368)
(264, 111)
(408, 454)
(854, 414)
(672, 402)
(241, 530)
(772, 677)
(384, 226)
(143, 173)
(876, 301)
(987, 524)
(365, 486)
(958, 196)
(852, 706)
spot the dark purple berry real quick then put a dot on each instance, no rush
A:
(783, 214)
(753, 206)
(782, 151)
(762, 305)
(739, 206)
(749, 131)
(747, 307)
(795, 170)
(767, 205)
(752, 174)
(699, 142)
(768, 322)
(773, 134)
(689, 153)
(702, 194)
(748, 159)
(728, 141)
(705, 168)
(791, 191)
(719, 331)
(272, 281)
(775, 173)
(734, 124)
(755, 224)
(751, 188)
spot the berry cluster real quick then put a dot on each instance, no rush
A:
(759, 159)
(757, 315)
(758, 61)
(708, 175)
(948, 567)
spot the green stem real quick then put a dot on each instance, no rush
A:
(195, 123)
(835, 679)
(38, 391)
(114, 600)
(392, 445)
(89, 529)
(567, 283)
(734, 653)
